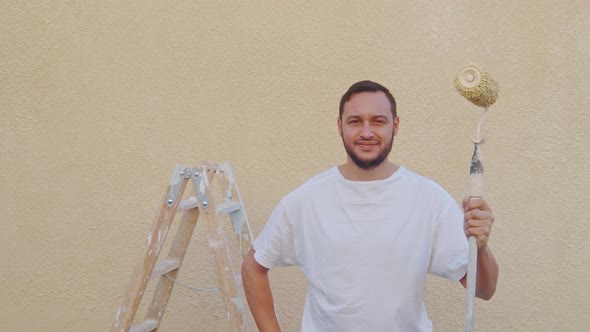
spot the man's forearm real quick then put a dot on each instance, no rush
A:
(487, 274)
(258, 294)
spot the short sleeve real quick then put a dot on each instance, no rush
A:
(450, 246)
(274, 245)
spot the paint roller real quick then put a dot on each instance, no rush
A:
(479, 88)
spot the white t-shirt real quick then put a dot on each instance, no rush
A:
(365, 248)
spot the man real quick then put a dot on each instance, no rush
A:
(367, 232)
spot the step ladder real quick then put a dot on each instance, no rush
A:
(200, 204)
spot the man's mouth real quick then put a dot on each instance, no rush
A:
(367, 145)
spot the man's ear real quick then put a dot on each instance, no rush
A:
(339, 123)
(395, 126)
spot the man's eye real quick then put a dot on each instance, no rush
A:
(353, 121)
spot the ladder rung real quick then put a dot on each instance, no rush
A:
(147, 325)
(229, 207)
(189, 203)
(166, 266)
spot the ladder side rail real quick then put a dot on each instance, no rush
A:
(241, 228)
(221, 257)
(177, 252)
(143, 270)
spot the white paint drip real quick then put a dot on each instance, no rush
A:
(228, 193)
(122, 309)
(238, 302)
(226, 168)
(205, 183)
(238, 279)
(215, 244)
(174, 178)
(159, 240)
(202, 187)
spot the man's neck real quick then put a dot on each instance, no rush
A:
(351, 171)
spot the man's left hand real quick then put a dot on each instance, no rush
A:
(478, 219)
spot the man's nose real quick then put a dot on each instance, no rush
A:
(367, 131)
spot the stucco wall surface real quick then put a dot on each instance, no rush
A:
(100, 99)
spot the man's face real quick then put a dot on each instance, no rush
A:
(367, 128)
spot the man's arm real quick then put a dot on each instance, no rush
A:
(258, 294)
(478, 222)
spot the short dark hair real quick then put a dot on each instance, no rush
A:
(366, 86)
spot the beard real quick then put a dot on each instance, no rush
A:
(368, 164)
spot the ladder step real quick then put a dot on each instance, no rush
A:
(166, 266)
(187, 204)
(147, 325)
(228, 207)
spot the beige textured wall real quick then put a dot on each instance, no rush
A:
(99, 101)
